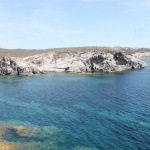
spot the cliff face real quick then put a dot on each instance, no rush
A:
(77, 62)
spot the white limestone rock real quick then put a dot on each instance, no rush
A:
(142, 55)
(76, 62)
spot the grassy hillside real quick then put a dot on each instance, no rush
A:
(24, 53)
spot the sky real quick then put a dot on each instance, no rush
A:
(40, 24)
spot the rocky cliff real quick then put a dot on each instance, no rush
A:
(73, 61)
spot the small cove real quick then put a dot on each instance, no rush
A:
(62, 111)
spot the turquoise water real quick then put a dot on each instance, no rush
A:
(105, 111)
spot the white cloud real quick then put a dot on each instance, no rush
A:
(137, 3)
(91, 0)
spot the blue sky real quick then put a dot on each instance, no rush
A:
(73, 23)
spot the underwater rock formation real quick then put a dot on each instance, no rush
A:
(6, 146)
(14, 137)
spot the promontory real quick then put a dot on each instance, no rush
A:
(74, 60)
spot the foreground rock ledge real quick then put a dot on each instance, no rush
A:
(75, 62)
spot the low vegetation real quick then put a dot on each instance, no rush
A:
(26, 52)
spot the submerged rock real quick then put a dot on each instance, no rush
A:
(74, 61)
(6, 146)
(14, 137)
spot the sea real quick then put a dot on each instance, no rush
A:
(64, 111)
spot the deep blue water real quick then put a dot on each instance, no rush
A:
(103, 111)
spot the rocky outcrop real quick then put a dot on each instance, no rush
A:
(74, 61)
(12, 66)
(7, 66)
(140, 55)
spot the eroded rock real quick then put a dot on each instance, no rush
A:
(77, 62)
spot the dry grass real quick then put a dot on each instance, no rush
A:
(25, 53)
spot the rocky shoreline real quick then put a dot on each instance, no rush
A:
(145, 55)
(72, 61)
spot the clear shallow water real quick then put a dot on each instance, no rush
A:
(107, 111)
